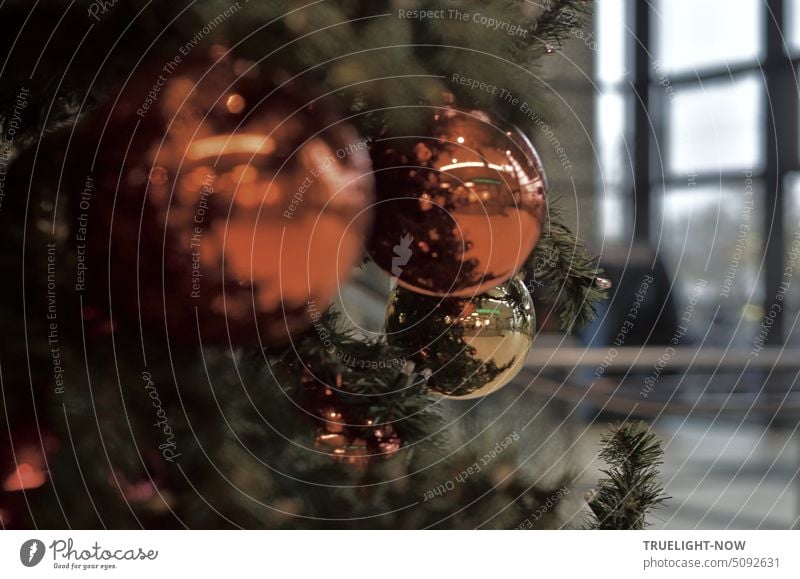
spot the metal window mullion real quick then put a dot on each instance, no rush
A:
(641, 122)
(780, 145)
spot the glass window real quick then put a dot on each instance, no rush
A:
(791, 225)
(710, 238)
(612, 40)
(614, 215)
(611, 118)
(693, 35)
(716, 126)
(797, 79)
(792, 20)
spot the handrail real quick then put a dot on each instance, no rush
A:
(666, 357)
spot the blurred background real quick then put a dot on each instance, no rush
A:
(680, 166)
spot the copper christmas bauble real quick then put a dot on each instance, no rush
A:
(470, 347)
(458, 209)
(222, 206)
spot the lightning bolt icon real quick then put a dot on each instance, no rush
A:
(34, 548)
(402, 252)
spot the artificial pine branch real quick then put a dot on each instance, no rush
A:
(564, 274)
(631, 487)
(376, 380)
(558, 19)
(237, 423)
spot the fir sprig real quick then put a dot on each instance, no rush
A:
(558, 19)
(631, 487)
(376, 379)
(564, 272)
(247, 453)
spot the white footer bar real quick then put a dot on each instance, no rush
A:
(400, 554)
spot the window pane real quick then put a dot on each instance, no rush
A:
(693, 34)
(614, 215)
(792, 244)
(612, 40)
(612, 121)
(716, 126)
(792, 19)
(797, 102)
(710, 238)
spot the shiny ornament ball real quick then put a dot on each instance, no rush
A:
(603, 283)
(345, 430)
(349, 447)
(458, 209)
(223, 207)
(469, 347)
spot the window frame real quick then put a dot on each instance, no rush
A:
(778, 149)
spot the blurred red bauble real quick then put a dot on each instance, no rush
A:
(28, 468)
(24, 472)
(460, 208)
(221, 206)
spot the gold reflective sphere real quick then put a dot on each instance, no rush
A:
(471, 346)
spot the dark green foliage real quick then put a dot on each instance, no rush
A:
(631, 488)
(564, 274)
(363, 51)
(243, 422)
(451, 357)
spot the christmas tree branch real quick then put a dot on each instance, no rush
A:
(630, 488)
(248, 432)
(563, 271)
(373, 379)
(559, 18)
